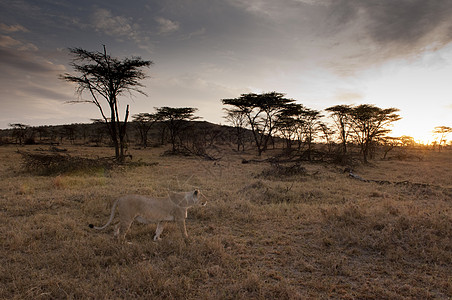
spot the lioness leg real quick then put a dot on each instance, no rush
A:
(123, 228)
(117, 230)
(182, 228)
(158, 231)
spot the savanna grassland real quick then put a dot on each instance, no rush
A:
(266, 233)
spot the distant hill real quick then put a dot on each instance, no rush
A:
(96, 134)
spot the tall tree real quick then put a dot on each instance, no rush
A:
(370, 122)
(262, 112)
(176, 121)
(106, 77)
(341, 115)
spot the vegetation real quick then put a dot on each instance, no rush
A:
(268, 114)
(106, 77)
(341, 116)
(269, 231)
(442, 132)
(176, 121)
(262, 113)
(143, 123)
(369, 123)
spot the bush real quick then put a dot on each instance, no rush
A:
(55, 164)
(278, 171)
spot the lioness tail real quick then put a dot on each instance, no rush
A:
(111, 217)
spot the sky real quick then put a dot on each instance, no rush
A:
(319, 52)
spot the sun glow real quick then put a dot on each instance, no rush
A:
(419, 88)
(421, 132)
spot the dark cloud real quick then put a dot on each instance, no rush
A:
(409, 21)
(368, 33)
(402, 22)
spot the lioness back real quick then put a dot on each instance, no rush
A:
(151, 209)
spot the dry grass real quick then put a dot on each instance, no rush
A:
(314, 234)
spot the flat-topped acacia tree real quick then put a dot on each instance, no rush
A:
(370, 122)
(176, 119)
(106, 77)
(262, 112)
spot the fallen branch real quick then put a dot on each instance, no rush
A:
(405, 182)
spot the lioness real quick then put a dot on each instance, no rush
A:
(152, 210)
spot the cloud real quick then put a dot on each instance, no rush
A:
(166, 26)
(11, 43)
(121, 28)
(372, 32)
(12, 28)
(347, 36)
(26, 61)
(117, 26)
(409, 22)
(347, 96)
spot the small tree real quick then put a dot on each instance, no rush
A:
(442, 132)
(370, 122)
(312, 126)
(327, 134)
(106, 77)
(341, 115)
(237, 119)
(407, 141)
(389, 143)
(19, 132)
(143, 123)
(176, 121)
(290, 122)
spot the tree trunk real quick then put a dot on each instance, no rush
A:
(122, 134)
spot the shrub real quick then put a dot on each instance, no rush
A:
(277, 170)
(55, 164)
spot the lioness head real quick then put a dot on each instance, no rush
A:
(185, 199)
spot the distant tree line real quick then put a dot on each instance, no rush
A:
(295, 128)
(271, 114)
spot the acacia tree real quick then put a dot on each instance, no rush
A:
(143, 123)
(369, 123)
(106, 77)
(442, 132)
(341, 115)
(262, 112)
(290, 122)
(19, 132)
(312, 126)
(389, 143)
(238, 120)
(176, 121)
